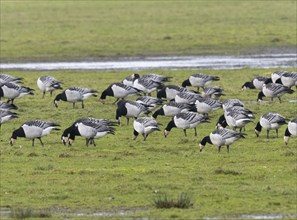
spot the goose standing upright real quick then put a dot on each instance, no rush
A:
(75, 94)
(48, 84)
(221, 137)
(12, 91)
(144, 126)
(291, 130)
(34, 129)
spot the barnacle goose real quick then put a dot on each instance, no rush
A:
(75, 94)
(48, 84)
(128, 81)
(7, 106)
(34, 129)
(12, 91)
(276, 75)
(6, 115)
(232, 102)
(273, 90)
(5, 78)
(170, 91)
(144, 126)
(221, 137)
(291, 130)
(172, 108)
(130, 109)
(119, 91)
(199, 80)
(214, 92)
(74, 129)
(151, 102)
(186, 97)
(288, 79)
(256, 83)
(146, 85)
(185, 120)
(206, 105)
(269, 121)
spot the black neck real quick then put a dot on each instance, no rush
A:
(61, 96)
(287, 133)
(18, 133)
(260, 95)
(186, 83)
(170, 125)
(258, 127)
(106, 92)
(205, 140)
(249, 85)
(158, 112)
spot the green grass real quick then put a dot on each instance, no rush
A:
(257, 176)
(80, 30)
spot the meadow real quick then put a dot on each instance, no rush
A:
(258, 176)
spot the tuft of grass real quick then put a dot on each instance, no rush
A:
(22, 213)
(226, 172)
(163, 201)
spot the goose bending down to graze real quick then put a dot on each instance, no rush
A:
(48, 84)
(288, 79)
(13, 91)
(144, 126)
(213, 92)
(119, 91)
(75, 94)
(151, 102)
(130, 109)
(128, 81)
(154, 77)
(172, 108)
(185, 120)
(270, 121)
(221, 137)
(232, 102)
(5, 78)
(256, 83)
(291, 130)
(199, 80)
(273, 90)
(276, 75)
(186, 97)
(89, 128)
(6, 115)
(206, 105)
(169, 92)
(7, 106)
(34, 129)
(146, 85)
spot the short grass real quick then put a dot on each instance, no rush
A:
(257, 176)
(68, 30)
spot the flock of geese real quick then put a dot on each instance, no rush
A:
(187, 108)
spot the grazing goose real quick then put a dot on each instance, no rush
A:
(232, 102)
(34, 129)
(221, 137)
(119, 91)
(288, 79)
(206, 105)
(169, 92)
(186, 97)
(276, 75)
(154, 77)
(99, 122)
(199, 80)
(75, 94)
(145, 85)
(88, 129)
(6, 115)
(4, 78)
(144, 126)
(235, 119)
(12, 91)
(273, 90)
(172, 108)
(270, 121)
(291, 130)
(48, 84)
(256, 83)
(130, 109)
(128, 81)
(213, 92)
(7, 106)
(185, 120)
(151, 102)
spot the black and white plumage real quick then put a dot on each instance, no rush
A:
(235, 119)
(119, 91)
(214, 92)
(130, 109)
(288, 79)
(170, 91)
(206, 105)
(128, 81)
(256, 83)
(146, 85)
(221, 137)
(6, 115)
(48, 84)
(291, 130)
(151, 102)
(270, 121)
(232, 102)
(199, 80)
(273, 90)
(276, 75)
(144, 126)
(7, 106)
(12, 91)
(90, 128)
(185, 120)
(75, 94)
(172, 108)
(154, 77)
(5, 78)
(186, 97)
(34, 129)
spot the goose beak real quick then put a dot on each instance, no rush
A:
(12, 141)
(56, 103)
(102, 101)
(70, 141)
(64, 140)
(166, 133)
(201, 147)
(257, 133)
(286, 139)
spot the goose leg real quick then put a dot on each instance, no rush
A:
(87, 142)
(82, 104)
(185, 132)
(116, 101)
(43, 94)
(51, 92)
(228, 148)
(33, 142)
(280, 101)
(195, 132)
(276, 133)
(127, 121)
(41, 141)
(93, 142)
(267, 133)
(220, 149)
(73, 104)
